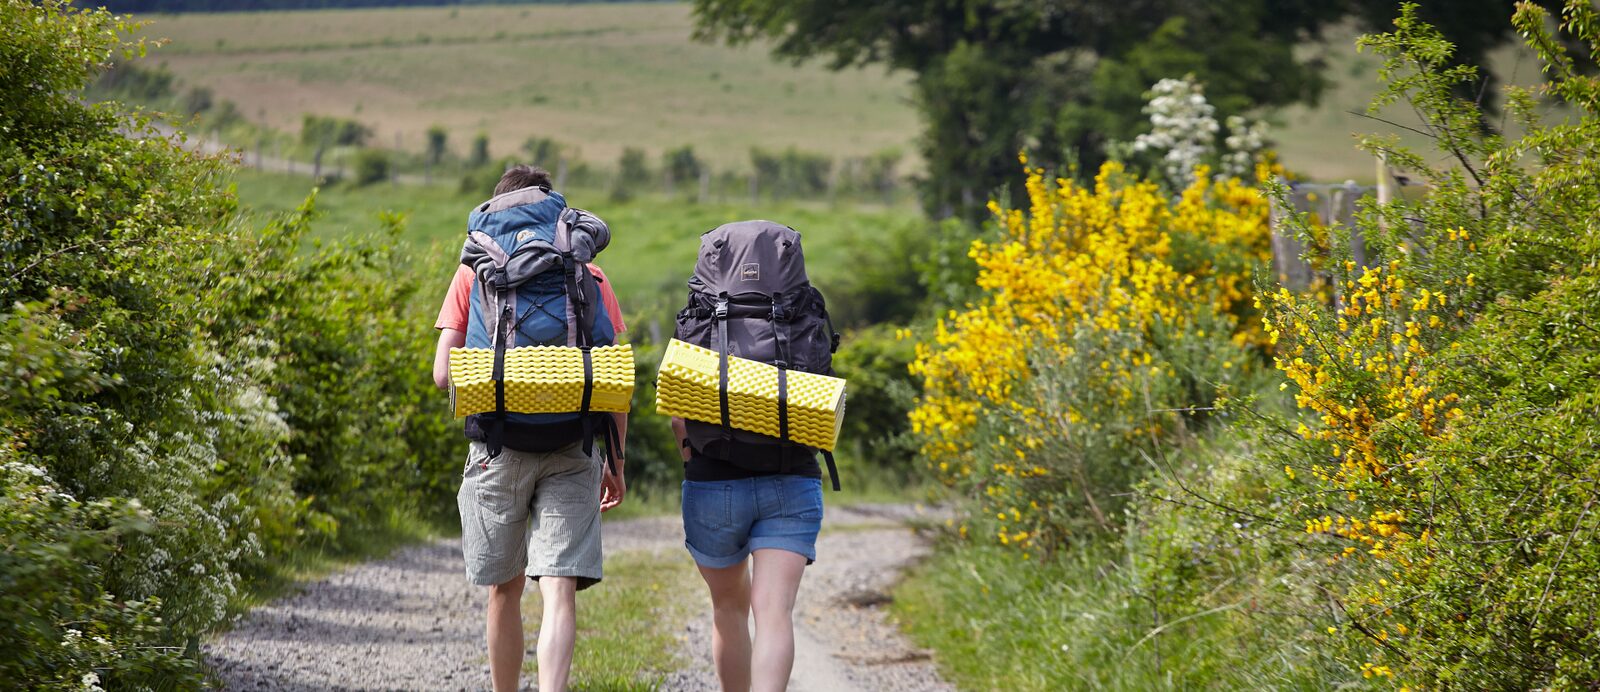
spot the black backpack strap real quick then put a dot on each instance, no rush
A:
(780, 332)
(721, 316)
(613, 440)
(785, 464)
(833, 471)
(494, 437)
(588, 396)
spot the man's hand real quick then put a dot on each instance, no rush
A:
(612, 486)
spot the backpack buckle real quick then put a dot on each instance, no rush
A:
(721, 310)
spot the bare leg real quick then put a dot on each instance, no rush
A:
(772, 592)
(730, 624)
(505, 634)
(557, 632)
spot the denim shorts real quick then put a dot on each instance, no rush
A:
(724, 521)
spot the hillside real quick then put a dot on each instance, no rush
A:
(600, 76)
(603, 76)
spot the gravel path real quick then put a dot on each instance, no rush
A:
(412, 622)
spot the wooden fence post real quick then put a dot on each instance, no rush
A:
(1289, 265)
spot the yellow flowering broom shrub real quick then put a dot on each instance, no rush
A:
(1107, 312)
(1445, 475)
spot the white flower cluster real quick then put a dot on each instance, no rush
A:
(1184, 132)
(1246, 139)
(1182, 126)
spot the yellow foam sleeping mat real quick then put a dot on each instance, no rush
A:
(541, 379)
(687, 387)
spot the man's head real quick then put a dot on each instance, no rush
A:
(520, 176)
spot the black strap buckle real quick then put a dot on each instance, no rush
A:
(721, 310)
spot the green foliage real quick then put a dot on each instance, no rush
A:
(480, 151)
(633, 175)
(372, 166)
(62, 631)
(654, 462)
(325, 132)
(1090, 619)
(874, 361)
(438, 144)
(183, 397)
(1062, 80)
(543, 151)
(885, 279)
(682, 167)
(1452, 500)
(129, 81)
(791, 173)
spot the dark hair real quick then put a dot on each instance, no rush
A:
(521, 176)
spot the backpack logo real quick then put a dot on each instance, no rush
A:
(524, 236)
(750, 272)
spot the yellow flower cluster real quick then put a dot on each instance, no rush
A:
(1379, 527)
(1382, 328)
(1362, 366)
(1113, 258)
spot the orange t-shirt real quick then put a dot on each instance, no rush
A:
(453, 315)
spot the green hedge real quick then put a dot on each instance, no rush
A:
(183, 399)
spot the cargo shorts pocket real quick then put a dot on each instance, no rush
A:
(496, 487)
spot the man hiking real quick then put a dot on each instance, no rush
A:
(534, 484)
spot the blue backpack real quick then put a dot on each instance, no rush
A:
(530, 253)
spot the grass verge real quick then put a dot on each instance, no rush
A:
(998, 622)
(626, 624)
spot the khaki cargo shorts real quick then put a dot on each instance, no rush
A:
(536, 513)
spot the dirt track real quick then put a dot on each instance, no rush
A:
(412, 622)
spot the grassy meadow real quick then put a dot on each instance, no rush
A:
(609, 75)
(600, 76)
(655, 237)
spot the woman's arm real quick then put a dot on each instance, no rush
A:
(448, 339)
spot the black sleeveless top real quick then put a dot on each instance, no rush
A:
(703, 468)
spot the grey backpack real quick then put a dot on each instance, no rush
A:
(750, 297)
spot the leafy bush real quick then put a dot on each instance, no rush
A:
(1447, 462)
(875, 361)
(372, 166)
(72, 634)
(1101, 305)
(183, 397)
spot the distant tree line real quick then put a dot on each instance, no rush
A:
(1067, 79)
(143, 6)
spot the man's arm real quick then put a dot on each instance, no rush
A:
(448, 339)
(614, 485)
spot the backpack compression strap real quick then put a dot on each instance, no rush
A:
(494, 437)
(833, 471)
(780, 332)
(721, 315)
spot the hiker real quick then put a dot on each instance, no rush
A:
(534, 484)
(752, 504)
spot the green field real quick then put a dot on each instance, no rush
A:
(600, 76)
(605, 76)
(654, 238)
(1319, 141)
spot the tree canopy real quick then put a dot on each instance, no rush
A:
(1065, 77)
